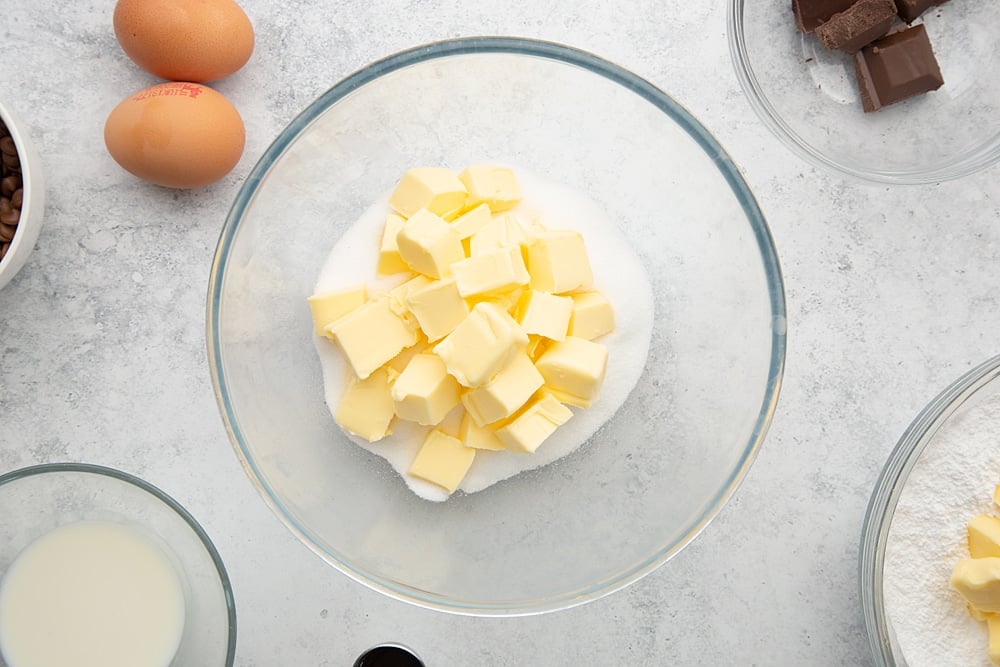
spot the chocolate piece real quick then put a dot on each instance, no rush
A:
(896, 67)
(909, 10)
(810, 14)
(863, 23)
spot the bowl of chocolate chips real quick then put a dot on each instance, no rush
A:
(22, 194)
(891, 91)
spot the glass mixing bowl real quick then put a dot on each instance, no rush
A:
(653, 476)
(36, 500)
(807, 96)
(928, 457)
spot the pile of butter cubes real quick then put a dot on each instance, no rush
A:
(495, 316)
(977, 578)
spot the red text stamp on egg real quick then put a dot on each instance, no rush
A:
(170, 90)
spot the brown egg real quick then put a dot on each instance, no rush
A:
(184, 40)
(181, 135)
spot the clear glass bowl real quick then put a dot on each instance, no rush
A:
(36, 500)
(807, 96)
(653, 476)
(961, 401)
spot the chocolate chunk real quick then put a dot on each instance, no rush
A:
(896, 67)
(810, 14)
(909, 10)
(863, 23)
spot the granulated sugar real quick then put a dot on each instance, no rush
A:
(952, 482)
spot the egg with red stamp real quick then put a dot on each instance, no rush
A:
(185, 40)
(179, 135)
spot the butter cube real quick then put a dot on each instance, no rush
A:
(442, 460)
(424, 392)
(536, 422)
(366, 409)
(984, 536)
(436, 189)
(505, 393)
(481, 345)
(536, 346)
(472, 221)
(574, 367)
(399, 362)
(438, 307)
(327, 307)
(502, 231)
(506, 301)
(372, 335)
(558, 262)
(429, 245)
(592, 317)
(389, 259)
(491, 272)
(495, 186)
(544, 314)
(400, 293)
(993, 650)
(978, 580)
(478, 437)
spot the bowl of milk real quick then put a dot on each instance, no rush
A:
(100, 568)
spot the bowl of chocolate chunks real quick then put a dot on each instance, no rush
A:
(892, 91)
(22, 194)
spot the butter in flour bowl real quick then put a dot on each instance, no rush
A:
(917, 541)
(653, 440)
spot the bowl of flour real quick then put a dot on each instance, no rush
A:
(941, 474)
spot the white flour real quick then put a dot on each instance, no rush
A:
(951, 483)
(618, 273)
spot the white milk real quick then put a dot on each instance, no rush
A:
(91, 594)
(618, 273)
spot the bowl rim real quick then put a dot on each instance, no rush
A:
(650, 93)
(33, 184)
(980, 158)
(104, 471)
(885, 496)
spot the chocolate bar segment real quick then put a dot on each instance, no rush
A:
(896, 67)
(862, 23)
(810, 14)
(909, 10)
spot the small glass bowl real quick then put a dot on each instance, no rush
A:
(808, 97)
(36, 500)
(962, 400)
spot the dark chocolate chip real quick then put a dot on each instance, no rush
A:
(896, 67)
(17, 198)
(6, 232)
(7, 146)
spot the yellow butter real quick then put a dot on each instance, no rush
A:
(993, 650)
(366, 409)
(558, 262)
(372, 335)
(533, 424)
(978, 580)
(505, 393)
(442, 460)
(436, 189)
(984, 536)
(424, 392)
(429, 245)
(492, 185)
(399, 362)
(491, 272)
(592, 317)
(506, 301)
(478, 437)
(996, 495)
(472, 221)
(389, 259)
(544, 314)
(327, 307)
(574, 367)
(502, 231)
(536, 346)
(438, 307)
(481, 345)
(400, 293)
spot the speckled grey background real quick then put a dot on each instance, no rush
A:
(892, 293)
